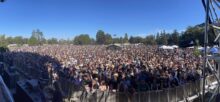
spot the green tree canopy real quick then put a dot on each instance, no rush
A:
(100, 37)
(37, 38)
(108, 39)
(52, 41)
(82, 39)
(125, 38)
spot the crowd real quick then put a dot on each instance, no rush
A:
(134, 68)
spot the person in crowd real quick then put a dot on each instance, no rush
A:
(134, 68)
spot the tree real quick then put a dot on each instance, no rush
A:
(196, 51)
(37, 37)
(25, 40)
(19, 40)
(121, 40)
(162, 38)
(100, 37)
(150, 40)
(82, 39)
(136, 39)
(125, 38)
(131, 39)
(52, 41)
(3, 41)
(158, 38)
(175, 37)
(63, 41)
(116, 40)
(9, 40)
(108, 39)
(32, 41)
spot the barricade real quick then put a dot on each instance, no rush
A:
(144, 96)
(135, 97)
(122, 97)
(172, 94)
(154, 96)
(101, 96)
(164, 95)
(187, 89)
(180, 95)
(193, 88)
(111, 97)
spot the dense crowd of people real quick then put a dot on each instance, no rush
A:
(134, 68)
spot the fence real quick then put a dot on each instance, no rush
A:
(179, 93)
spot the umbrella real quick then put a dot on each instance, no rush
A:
(214, 50)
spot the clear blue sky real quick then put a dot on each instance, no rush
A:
(68, 18)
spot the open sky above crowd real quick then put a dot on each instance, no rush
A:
(68, 18)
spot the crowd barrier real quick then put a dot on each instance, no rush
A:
(73, 93)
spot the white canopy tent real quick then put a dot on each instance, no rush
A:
(166, 47)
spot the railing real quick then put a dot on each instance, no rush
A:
(187, 91)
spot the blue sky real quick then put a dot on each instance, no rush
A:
(68, 18)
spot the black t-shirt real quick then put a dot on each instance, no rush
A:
(114, 83)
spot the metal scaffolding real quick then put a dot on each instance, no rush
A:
(211, 25)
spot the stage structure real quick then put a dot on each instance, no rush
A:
(212, 26)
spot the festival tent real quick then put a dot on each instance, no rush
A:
(175, 46)
(113, 47)
(201, 48)
(214, 50)
(166, 47)
(191, 47)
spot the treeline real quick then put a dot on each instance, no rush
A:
(191, 34)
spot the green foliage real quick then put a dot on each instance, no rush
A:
(150, 40)
(136, 39)
(63, 41)
(125, 38)
(32, 41)
(19, 40)
(116, 40)
(82, 39)
(108, 39)
(3, 41)
(100, 37)
(103, 38)
(173, 38)
(197, 32)
(52, 41)
(161, 38)
(196, 51)
(37, 38)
